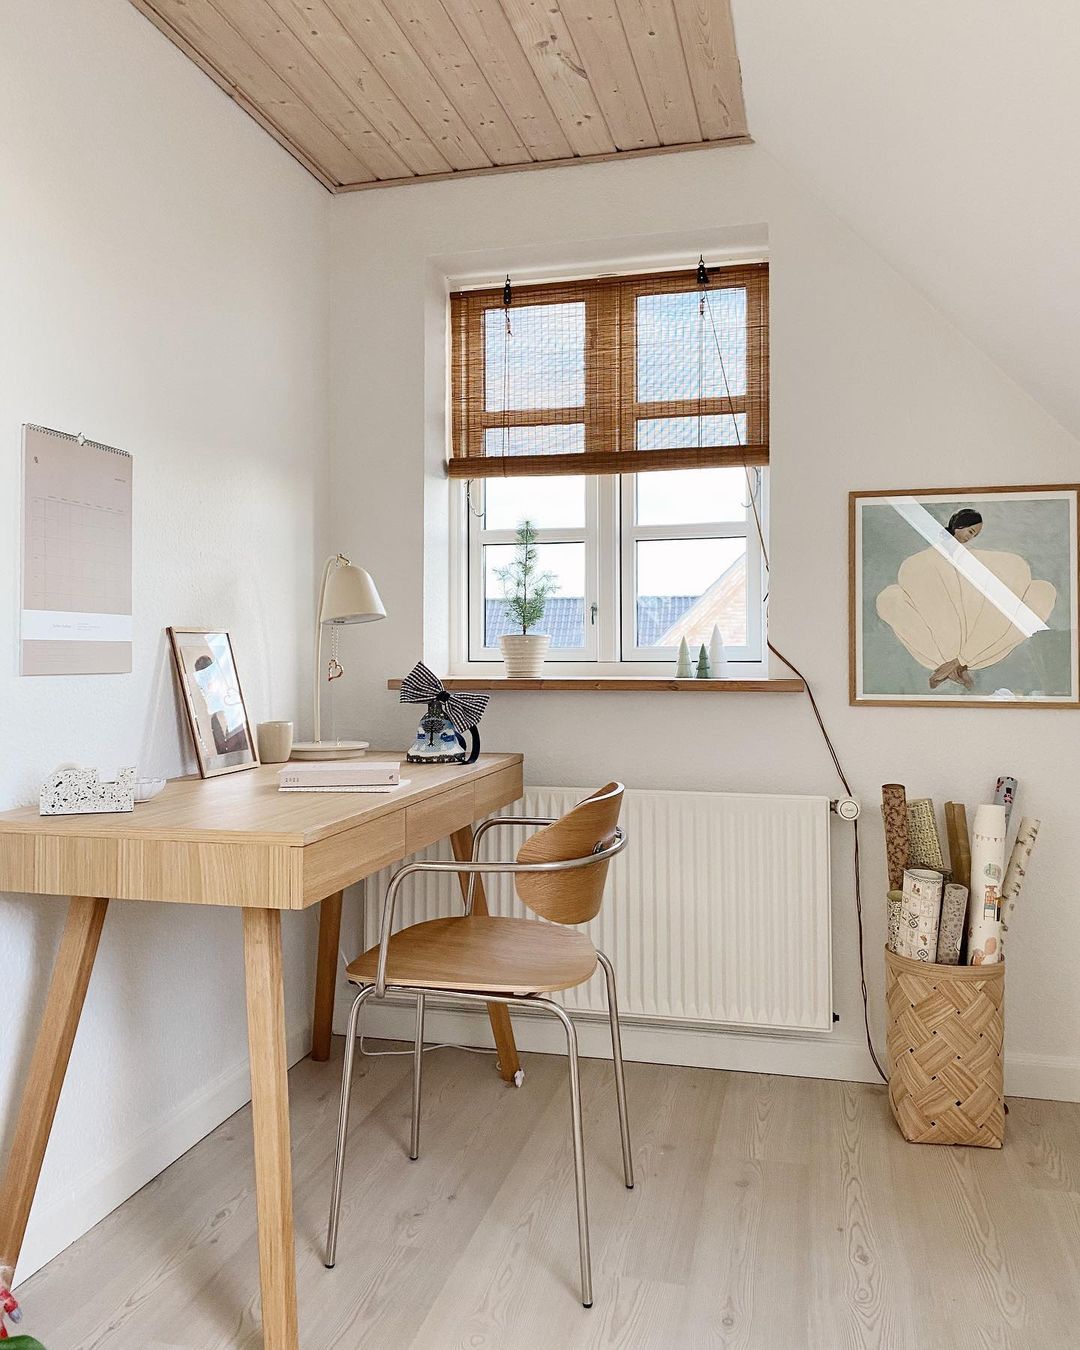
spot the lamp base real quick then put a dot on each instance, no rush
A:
(329, 749)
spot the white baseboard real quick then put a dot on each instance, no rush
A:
(807, 1056)
(103, 1188)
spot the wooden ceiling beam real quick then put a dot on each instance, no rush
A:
(600, 37)
(708, 39)
(317, 25)
(264, 26)
(378, 37)
(440, 46)
(653, 34)
(572, 160)
(542, 32)
(488, 34)
(230, 61)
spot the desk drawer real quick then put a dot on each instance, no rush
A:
(497, 790)
(337, 862)
(433, 819)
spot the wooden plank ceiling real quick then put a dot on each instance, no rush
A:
(367, 93)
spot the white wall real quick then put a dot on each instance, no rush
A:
(871, 388)
(938, 135)
(163, 283)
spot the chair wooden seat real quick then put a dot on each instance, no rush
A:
(484, 953)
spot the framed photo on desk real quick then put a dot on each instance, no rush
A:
(213, 701)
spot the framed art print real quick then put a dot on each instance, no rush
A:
(213, 702)
(964, 597)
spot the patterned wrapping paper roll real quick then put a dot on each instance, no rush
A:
(1005, 795)
(959, 843)
(895, 903)
(954, 905)
(924, 845)
(894, 812)
(984, 904)
(1016, 872)
(920, 910)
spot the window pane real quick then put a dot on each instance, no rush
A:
(691, 496)
(687, 433)
(563, 438)
(541, 364)
(677, 354)
(564, 616)
(550, 503)
(684, 586)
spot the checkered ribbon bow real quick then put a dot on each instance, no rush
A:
(463, 710)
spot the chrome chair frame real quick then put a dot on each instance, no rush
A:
(473, 867)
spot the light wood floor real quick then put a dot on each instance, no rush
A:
(770, 1214)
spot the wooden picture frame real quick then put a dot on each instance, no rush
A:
(210, 692)
(936, 620)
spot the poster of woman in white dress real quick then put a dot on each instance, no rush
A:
(965, 598)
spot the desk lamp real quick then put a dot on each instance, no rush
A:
(347, 595)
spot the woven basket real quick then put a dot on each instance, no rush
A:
(946, 1033)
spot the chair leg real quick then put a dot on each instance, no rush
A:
(579, 1151)
(343, 1124)
(417, 1073)
(617, 1060)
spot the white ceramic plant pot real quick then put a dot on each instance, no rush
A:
(524, 653)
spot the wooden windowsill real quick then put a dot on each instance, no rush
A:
(608, 684)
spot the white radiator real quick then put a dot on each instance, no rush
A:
(718, 912)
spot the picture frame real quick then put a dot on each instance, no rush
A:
(217, 716)
(938, 620)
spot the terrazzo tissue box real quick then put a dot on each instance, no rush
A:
(76, 792)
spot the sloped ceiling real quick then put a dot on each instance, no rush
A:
(947, 134)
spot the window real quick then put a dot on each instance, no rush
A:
(628, 420)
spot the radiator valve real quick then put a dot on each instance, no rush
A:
(847, 808)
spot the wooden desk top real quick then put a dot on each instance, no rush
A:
(237, 840)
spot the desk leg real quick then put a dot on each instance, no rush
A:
(461, 841)
(48, 1065)
(270, 1123)
(326, 976)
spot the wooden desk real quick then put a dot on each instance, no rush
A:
(233, 840)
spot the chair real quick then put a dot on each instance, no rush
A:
(560, 873)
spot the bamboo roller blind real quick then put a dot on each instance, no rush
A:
(613, 375)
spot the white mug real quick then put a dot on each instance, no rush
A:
(275, 741)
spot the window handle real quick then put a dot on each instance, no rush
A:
(593, 609)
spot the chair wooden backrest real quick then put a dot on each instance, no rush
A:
(572, 896)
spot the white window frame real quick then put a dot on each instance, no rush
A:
(610, 535)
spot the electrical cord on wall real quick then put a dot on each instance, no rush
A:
(752, 491)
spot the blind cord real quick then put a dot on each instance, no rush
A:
(707, 308)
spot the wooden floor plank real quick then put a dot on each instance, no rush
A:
(769, 1212)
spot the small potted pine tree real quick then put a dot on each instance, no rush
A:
(526, 590)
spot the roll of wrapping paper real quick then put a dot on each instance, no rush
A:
(1005, 795)
(896, 900)
(950, 938)
(920, 910)
(894, 812)
(984, 902)
(924, 846)
(959, 845)
(1016, 872)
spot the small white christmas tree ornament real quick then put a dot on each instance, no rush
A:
(717, 659)
(682, 668)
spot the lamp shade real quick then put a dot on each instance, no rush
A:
(350, 596)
